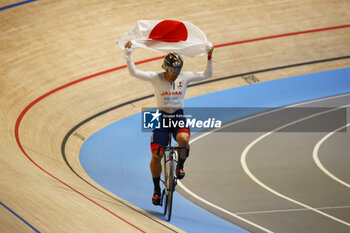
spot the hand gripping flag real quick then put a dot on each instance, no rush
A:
(167, 36)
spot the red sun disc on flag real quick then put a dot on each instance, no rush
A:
(169, 31)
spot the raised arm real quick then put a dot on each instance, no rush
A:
(143, 75)
(208, 73)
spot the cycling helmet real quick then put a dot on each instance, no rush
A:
(174, 61)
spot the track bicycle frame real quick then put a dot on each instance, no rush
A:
(170, 159)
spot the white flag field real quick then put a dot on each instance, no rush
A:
(167, 36)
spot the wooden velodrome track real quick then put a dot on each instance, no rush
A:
(47, 44)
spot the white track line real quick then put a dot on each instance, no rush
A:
(256, 180)
(318, 162)
(236, 122)
(222, 209)
(292, 210)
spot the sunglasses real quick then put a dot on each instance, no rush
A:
(177, 69)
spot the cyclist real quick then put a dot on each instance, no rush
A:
(169, 90)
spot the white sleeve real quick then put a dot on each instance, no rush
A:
(199, 76)
(143, 75)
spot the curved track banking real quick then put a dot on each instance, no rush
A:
(23, 113)
(76, 127)
(335, 79)
(46, 45)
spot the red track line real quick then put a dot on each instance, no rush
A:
(20, 117)
(18, 122)
(283, 35)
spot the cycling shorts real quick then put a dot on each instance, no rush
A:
(160, 137)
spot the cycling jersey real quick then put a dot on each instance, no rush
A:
(169, 96)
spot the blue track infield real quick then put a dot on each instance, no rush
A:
(117, 157)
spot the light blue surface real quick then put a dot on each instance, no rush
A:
(117, 157)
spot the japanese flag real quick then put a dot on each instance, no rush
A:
(167, 36)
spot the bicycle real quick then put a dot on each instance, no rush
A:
(170, 160)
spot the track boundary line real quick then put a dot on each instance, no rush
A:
(292, 210)
(285, 35)
(318, 162)
(183, 187)
(16, 4)
(19, 217)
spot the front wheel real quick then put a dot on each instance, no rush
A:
(165, 201)
(171, 189)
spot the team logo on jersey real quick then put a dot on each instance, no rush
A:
(180, 85)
